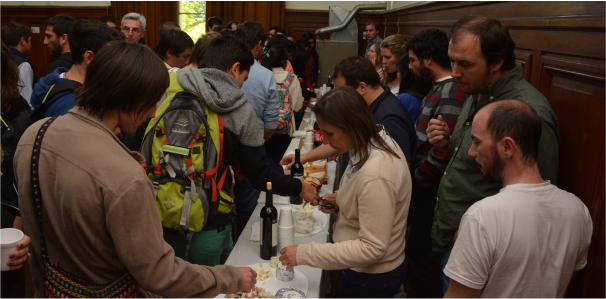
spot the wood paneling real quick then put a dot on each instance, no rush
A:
(36, 17)
(561, 46)
(267, 13)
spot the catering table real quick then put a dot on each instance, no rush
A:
(246, 252)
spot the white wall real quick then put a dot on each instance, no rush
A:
(349, 5)
(57, 3)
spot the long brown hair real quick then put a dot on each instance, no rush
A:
(10, 79)
(123, 77)
(347, 110)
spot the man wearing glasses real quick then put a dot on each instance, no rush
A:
(133, 27)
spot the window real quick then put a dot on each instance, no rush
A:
(192, 18)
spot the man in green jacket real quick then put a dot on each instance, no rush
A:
(483, 62)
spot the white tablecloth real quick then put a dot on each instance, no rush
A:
(247, 252)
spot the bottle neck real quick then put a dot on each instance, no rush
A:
(269, 199)
(297, 157)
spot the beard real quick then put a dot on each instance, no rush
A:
(425, 73)
(494, 169)
(55, 50)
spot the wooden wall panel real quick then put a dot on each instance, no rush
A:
(267, 13)
(36, 17)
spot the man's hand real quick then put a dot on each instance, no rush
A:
(438, 133)
(288, 161)
(309, 193)
(288, 256)
(318, 96)
(18, 257)
(250, 278)
(280, 123)
(332, 199)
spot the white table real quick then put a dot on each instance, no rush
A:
(247, 252)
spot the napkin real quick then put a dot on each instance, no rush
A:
(256, 232)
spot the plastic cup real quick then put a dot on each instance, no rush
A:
(286, 217)
(9, 239)
(309, 136)
(308, 147)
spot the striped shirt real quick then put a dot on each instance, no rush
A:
(446, 99)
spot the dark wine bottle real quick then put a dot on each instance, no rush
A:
(329, 83)
(269, 226)
(297, 172)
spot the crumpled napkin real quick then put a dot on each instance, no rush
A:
(255, 235)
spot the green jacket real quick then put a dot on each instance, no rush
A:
(462, 183)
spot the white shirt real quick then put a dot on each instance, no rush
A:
(525, 241)
(26, 77)
(394, 89)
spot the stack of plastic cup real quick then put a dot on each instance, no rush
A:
(286, 228)
(10, 238)
(309, 141)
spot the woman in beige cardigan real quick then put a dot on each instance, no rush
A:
(372, 203)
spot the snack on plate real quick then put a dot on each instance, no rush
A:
(305, 212)
(316, 169)
(319, 164)
(263, 273)
(313, 181)
(256, 292)
(304, 225)
(273, 261)
(290, 293)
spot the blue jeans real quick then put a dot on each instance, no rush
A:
(444, 260)
(352, 284)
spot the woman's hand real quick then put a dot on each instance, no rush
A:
(380, 74)
(318, 96)
(19, 256)
(332, 199)
(288, 256)
(280, 123)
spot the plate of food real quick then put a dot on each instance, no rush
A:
(318, 221)
(268, 284)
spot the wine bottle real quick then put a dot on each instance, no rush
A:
(297, 172)
(269, 226)
(329, 83)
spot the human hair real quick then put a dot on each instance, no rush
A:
(62, 24)
(168, 25)
(274, 58)
(89, 35)
(228, 26)
(135, 16)
(280, 41)
(396, 44)
(219, 29)
(347, 110)
(355, 70)
(223, 52)
(212, 21)
(430, 43)
(273, 28)
(251, 33)
(309, 36)
(520, 122)
(495, 41)
(200, 47)
(123, 77)
(107, 18)
(280, 30)
(377, 26)
(301, 58)
(10, 79)
(12, 32)
(379, 59)
(175, 42)
(409, 83)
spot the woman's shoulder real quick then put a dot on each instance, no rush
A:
(384, 165)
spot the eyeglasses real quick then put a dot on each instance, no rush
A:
(134, 30)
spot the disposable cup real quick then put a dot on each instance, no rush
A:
(309, 136)
(286, 217)
(308, 147)
(9, 239)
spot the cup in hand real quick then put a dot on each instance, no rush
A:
(9, 239)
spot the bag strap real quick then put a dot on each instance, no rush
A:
(35, 185)
(61, 86)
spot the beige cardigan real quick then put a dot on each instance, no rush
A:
(373, 208)
(99, 213)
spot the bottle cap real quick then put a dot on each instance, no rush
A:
(268, 185)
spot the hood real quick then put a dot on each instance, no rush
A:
(44, 84)
(219, 91)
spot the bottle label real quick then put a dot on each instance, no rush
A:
(298, 176)
(274, 232)
(318, 136)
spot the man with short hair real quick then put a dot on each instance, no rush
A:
(358, 73)
(428, 54)
(530, 238)
(166, 26)
(133, 27)
(19, 41)
(56, 38)
(109, 20)
(261, 91)
(290, 37)
(87, 37)
(228, 60)
(174, 49)
(372, 35)
(213, 23)
(272, 31)
(483, 62)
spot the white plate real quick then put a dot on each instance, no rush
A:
(272, 284)
(319, 217)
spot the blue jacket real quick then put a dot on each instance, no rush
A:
(58, 105)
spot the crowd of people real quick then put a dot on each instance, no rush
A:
(450, 161)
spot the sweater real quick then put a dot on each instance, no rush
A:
(370, 228)
(100, 215)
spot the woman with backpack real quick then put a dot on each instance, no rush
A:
(291, 100)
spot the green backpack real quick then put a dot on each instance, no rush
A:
(183, 149)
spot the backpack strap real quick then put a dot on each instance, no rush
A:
(59, 87)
